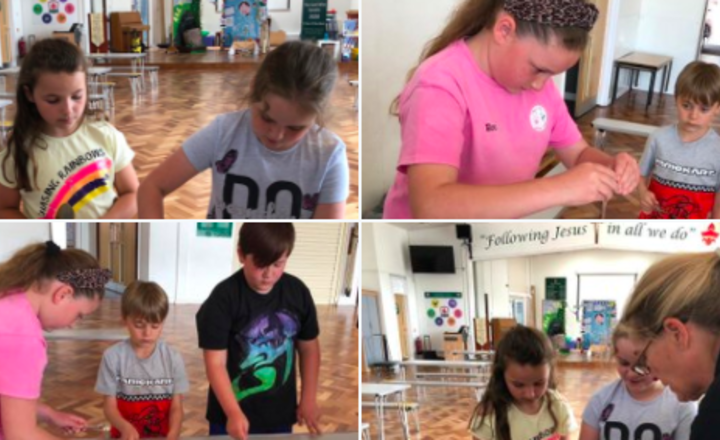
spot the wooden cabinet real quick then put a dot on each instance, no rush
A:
(500, 326)
(122, 27)
(453, 342)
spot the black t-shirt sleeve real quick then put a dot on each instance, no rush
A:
(309, 328)
(214, 319)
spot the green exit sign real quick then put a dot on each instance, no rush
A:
(206, 229)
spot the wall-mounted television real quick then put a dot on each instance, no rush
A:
(432, 259)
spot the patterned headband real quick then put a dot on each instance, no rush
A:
(554, 13)
(90, 279)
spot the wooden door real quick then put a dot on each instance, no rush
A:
(402, 325)
(5, 40)
(591, 63)
(117, 250)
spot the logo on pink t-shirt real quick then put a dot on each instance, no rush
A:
(538, 118)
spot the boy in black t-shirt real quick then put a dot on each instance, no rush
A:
(249, 329)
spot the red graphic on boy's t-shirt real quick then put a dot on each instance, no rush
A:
(709, 236)
(679, 203)
(554, 437)
(150, 418)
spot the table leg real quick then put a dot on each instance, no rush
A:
(633, 78)
(615, 83)
(650, 91)
(637, 77)
(669, 67)
(380, 403)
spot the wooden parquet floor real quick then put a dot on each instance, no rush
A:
(69, 380)
(444, 412)
(158, 121)
(629, 107)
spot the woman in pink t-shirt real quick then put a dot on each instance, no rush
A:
(479, 113)
(41, 288)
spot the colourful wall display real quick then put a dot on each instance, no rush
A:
(242, 20)
(444, 312)
(599, 319)
(54, 12)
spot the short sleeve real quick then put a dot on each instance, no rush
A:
(200, 147)
(567, 421)
(591, 414)
(22, 366)
(336, 182)
(122, 154)
(688, 411)
(483, 429)
(214, 321)
(564, 131)
(309, 328)
(432, 122)
(180, 378)
(106, 383)
(7, 170)
(647, 161)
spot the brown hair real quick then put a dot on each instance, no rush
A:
(51, 55)
(524, 346)
(475, 15)
(299, 72)
(145, 300)
(682, 286)
(699, 82)
(266, 241)
(38, 264)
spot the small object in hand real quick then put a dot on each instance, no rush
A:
(65, 212)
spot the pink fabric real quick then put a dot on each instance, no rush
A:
(22, 349)
(452, 113)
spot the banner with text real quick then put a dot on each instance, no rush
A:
(501, 240)
(655, 236)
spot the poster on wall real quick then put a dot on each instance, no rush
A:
(242, 20)
(444, 308)
(54, 12)
(599, 319)
(553, 316)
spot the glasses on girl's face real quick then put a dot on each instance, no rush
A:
(640, 366)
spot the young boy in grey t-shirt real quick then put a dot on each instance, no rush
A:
(142, 378)
(681, 162)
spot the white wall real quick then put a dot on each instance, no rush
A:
(673, 28)
(44, 31)
(16, 31)
(15, 236)
(440, 236)
(119, 6)
(569, 264)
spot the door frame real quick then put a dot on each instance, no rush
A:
(402, 317)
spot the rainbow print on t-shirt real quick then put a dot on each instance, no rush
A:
(82, 187)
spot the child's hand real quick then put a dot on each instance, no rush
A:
(238, 426)
(627, 173)
(587, 183)
(308, 415)
(648, 202)
(128, 432)
(69, 423)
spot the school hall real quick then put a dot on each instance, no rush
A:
(187, 260)
(161, 70)
(439, 298)
(619, 92)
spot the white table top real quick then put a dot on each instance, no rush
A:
(118, 55)
(439, 363)
(382, 389)
(106, 334)
(5, 102)
(91, 70)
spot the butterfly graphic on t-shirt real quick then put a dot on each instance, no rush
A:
(310, 201)
(223, 166)
(607, 412)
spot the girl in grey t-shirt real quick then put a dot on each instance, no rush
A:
(273, 159)
(635, 407)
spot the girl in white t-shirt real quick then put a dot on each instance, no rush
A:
(521, 401)
(57, 162)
